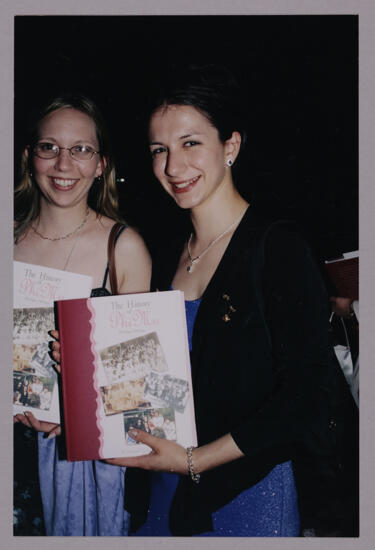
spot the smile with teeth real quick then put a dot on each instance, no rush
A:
(60, 182)
(184, 185)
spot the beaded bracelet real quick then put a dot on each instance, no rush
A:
(195, 477)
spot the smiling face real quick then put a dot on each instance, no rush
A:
(189, 159)
(63, 180)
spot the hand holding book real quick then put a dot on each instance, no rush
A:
(342, 306)
(167, 456)
(55, 346)
(30, 421)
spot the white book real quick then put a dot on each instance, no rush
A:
(35, 381)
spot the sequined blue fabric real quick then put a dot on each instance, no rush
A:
(268, 509)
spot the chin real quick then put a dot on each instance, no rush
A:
(187, 202)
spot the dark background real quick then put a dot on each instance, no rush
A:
(300, 74)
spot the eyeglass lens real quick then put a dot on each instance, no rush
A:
(51, 150)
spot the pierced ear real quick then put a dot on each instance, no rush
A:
(100, 168)
(232, 148)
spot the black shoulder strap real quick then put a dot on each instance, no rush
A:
(116, 231)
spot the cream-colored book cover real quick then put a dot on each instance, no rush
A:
(35, 288)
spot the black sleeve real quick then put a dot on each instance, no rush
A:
(296, 312)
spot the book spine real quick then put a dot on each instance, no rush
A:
(80, 405)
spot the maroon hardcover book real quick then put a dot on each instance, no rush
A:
(77, 365)
(124, 364)
(344, 275)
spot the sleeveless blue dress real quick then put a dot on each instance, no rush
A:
(81, 498)
(267, 509)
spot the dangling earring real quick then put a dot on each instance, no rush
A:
(99, 179)
(229, 162)
(30, 174)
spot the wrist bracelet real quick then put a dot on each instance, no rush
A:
(195, 477)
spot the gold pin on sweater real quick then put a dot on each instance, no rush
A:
(226, 317)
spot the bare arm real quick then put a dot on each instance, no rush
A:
(168, 456)
(133, 263)
(342, 306)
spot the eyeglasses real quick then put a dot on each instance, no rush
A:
(45, 150)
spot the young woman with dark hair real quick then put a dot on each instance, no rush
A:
(257, 311)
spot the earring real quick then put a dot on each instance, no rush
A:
(30, 174)
(99, 179)
(229, 162)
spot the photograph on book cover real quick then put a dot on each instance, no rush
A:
(35, 384)
(366, 38)
(133, 358)
(158, 422)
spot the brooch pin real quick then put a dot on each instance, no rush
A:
(230, 309)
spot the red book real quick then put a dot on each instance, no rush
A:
(344, 274)
(124, 364)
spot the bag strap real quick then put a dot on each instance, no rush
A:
(111, 256)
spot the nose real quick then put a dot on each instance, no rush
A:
(63, 160)
(175, 163)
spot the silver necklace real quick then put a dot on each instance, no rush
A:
(71, 251)
(68, 234)
(190, 268)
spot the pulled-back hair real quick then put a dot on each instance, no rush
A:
(213, 91)
(103, 196)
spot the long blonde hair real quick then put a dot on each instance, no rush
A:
(103, 195)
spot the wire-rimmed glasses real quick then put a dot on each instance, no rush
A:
(45, 150)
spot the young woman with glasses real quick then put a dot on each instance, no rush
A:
(65, 206)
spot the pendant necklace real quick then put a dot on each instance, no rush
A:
(71, 251)
(190, 268)
(76, 230)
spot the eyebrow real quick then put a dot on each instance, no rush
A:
(76, 142)
(181, 137)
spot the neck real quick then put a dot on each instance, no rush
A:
(54, 221)
(213, 217)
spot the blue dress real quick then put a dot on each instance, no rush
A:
(267, 509)
(81, 498)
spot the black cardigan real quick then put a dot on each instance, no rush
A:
(266, 374)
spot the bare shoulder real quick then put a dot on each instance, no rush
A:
(133, 262)
(131, 242)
